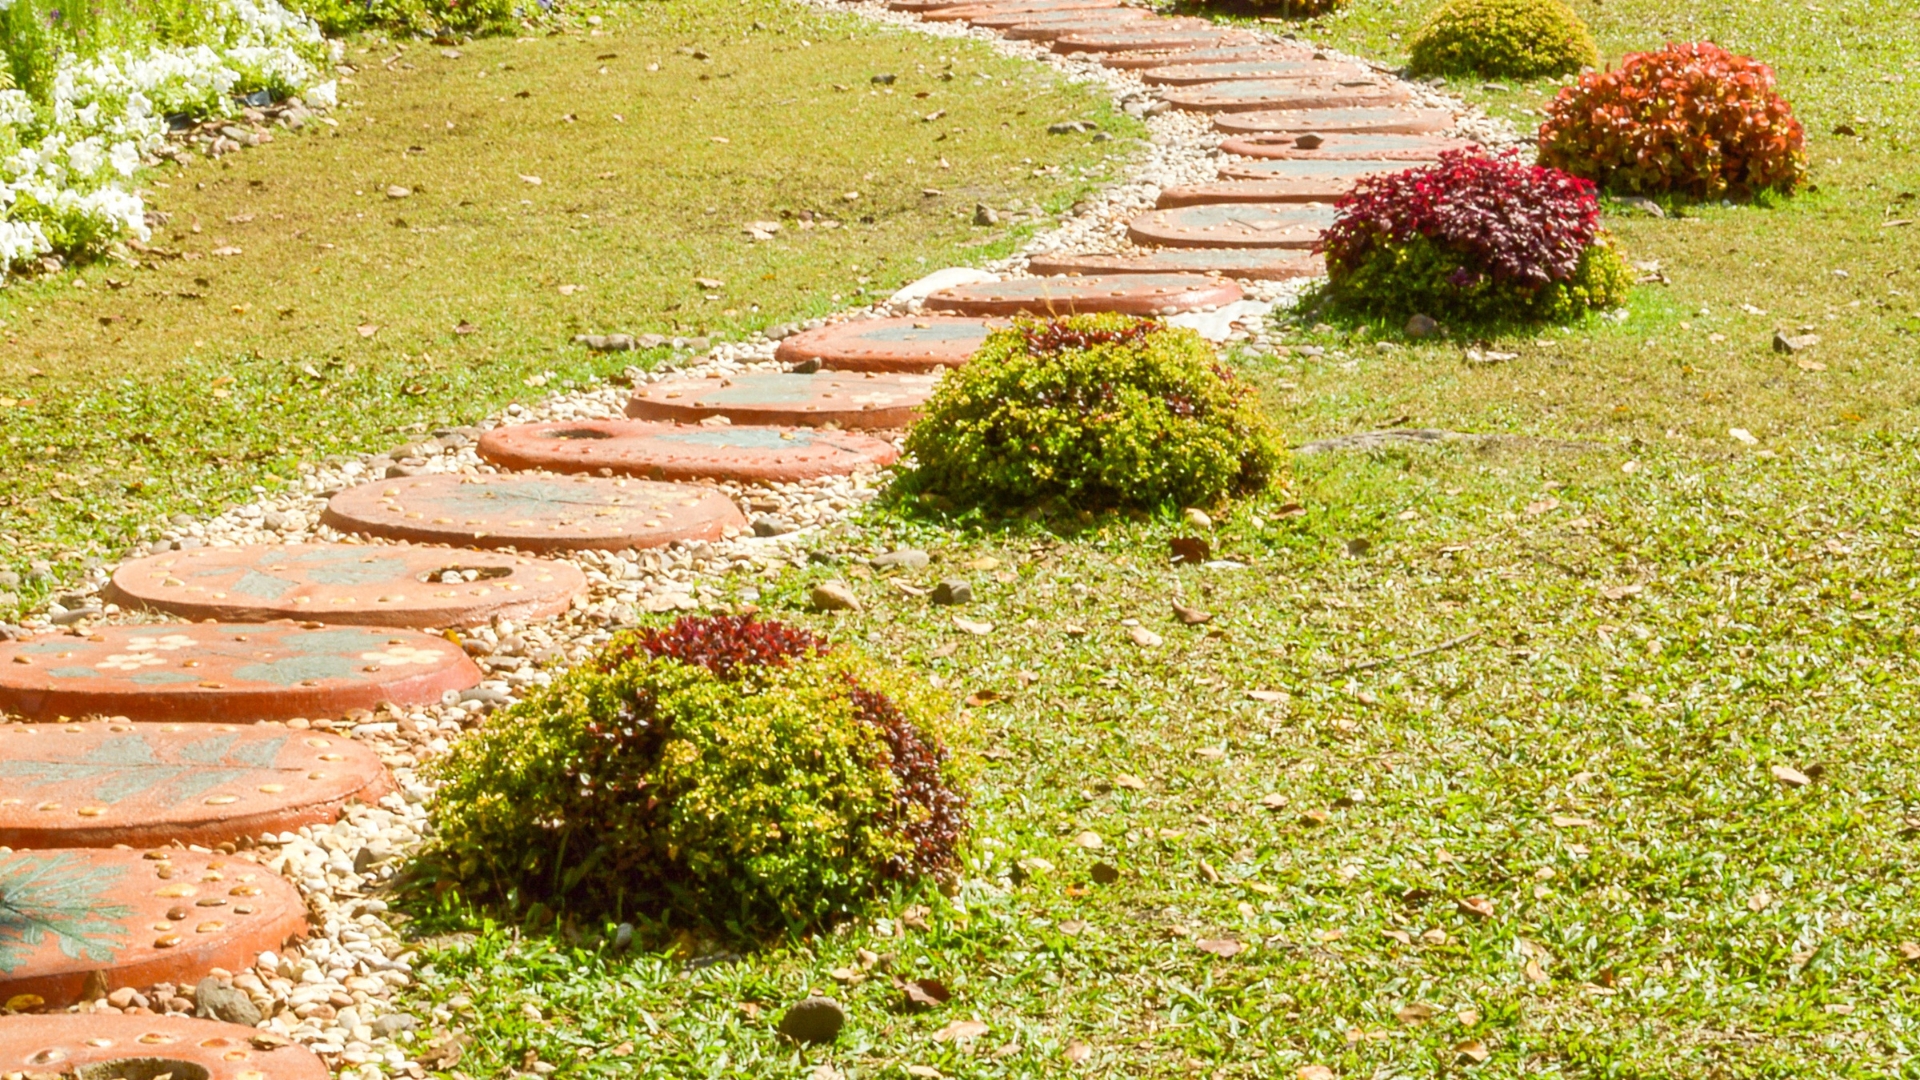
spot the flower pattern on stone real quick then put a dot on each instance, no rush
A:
(402, 655)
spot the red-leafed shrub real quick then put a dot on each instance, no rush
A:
(1473, 239)
(1690, 119)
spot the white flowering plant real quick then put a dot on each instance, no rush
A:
(76, 125)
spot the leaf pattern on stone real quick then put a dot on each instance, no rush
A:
(56, 894)
(126, 766)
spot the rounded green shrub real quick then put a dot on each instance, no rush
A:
(1299, 9)
(1095, 411)
(1518, 39)
(724, 772)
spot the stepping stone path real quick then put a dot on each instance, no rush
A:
(1156, 58)
(1331, 121)
(926, 343)
(1268, 169)
(534, 513)
(1249, 95)
(1248, 263)
(138, 918)
(348, 583)
(103, 1046)
(1367, 146)
(660, 451)
(1307, 189)
(1131, 294)
(1234, 225)
(1234, 71)
(145, 785)
(208, 672)
(868, 401)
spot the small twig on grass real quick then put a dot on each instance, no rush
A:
(1368, 665)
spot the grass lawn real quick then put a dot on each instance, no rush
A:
(1582, 751)
(577, 183)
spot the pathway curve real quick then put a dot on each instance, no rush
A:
(276, 765)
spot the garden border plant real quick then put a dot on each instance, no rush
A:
(1522, 39)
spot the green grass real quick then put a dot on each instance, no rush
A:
(128, 395)
(1635, 618)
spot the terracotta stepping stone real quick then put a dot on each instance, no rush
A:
(1238, 70)
(925, 343)
(138, 918)
(1054, 30)
(348, 583)
(534, 513)
(1269, 169)
(108, 782)
(1406, 121)
(1249, 95)
(1362, 146)
(867, 401)
(1232, 225)
(660, 451)
(1154, 58)
(964, 12)
(98, 1046)
(211, 672)
(1157, 39)
(1089, 18)
(1130, 294)
(1306, 189)
(1248, 263)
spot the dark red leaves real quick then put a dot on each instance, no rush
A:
(1051, 337)
(929, 814)
(726, 645)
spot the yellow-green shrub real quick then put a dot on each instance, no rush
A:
(1519, 39)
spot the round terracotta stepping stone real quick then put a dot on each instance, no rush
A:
(1269, 169)
(1232, 225)
(1154, 58)
(137, 918)
(869, 400)
(1236, 70)
(965, 12)
(1249, 95)
(234, 672)
(1090, 18)
(1054, 30)
(534, 513)
(910, 344)
(1360, 146)
(107, 782)
(1148, 40)
(660, 451)
(1407, 121)
(1305, 189)
(348, 583)
(1248, 263)
(97, 1046)
(1130, 294)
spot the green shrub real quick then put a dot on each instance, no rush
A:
(1421, 277)
(724, 772)
(339, 17)
(1297, 8)
(1519, 39)
(1097, 411)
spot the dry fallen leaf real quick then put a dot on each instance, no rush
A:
(1561, 821)
(982, 697)
(367, 329)
(1546, 505)
(1130, 782)
(224, 252)
(1473, 1050)
(1191, 616)
(1909, 950)
(960, 1031)
(924, 994)
(1089, 840)
(1477, 906)
(1190, 549)
(1414, 1014)
(1143, 637)
(1533, 971)
(1313, 1072)
(1790, 776)
(1269, 695)
(1222, 947)
(1742, 435)
(1273, 800)
(534, 180)
(924, 1072)
(978, 629)
(1078, 1052)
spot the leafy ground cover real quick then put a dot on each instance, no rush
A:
(1579, 749)
(576, 183)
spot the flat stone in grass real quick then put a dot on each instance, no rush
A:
(1154, 58)
(1305, 189)
(1245, 263)
(99, 1046)
(1129, 294)
(1158, 39)
(1233, 225)
(208, 672)
(107, 782)
(659, 451)
(861, 400)
(1404, 121)
(1250, 95)
(1269, 169)
(534, 513)
(1353, 146)
(920, 343)
(1237, 70)
(347, 583)
(138, 918)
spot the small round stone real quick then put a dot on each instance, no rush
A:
(234, 673)
(106, 911)
(1250, 225)
(356, 584)
(535, 513)
(685, 452)
(1130, 294)
(101, 1045)
(106, 782)
(861, 400)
